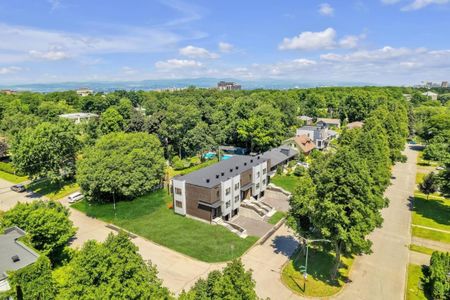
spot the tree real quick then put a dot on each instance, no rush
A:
(429, 184)
(113, 269)
(3, 147)
(232, 283)
(46, 223)
(444, 178)
(111, 121)
(343, 208)
(48, 150)
(437, 277)
(198, 139)
(121, 165)
(33, 281)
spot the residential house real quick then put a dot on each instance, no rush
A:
(356, 124)
(431, 95)
(224, 85)
(303, 143)
(307, 120)
(14, 255)
(83, 92)
(218, 190)
(79, 117)
(319, 134)
(329, 122)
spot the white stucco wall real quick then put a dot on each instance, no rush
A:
(225, 198)
(236, 192)
(181, 185)
(309, 133)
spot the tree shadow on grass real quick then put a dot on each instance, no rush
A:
(320, 266)
(433, 209)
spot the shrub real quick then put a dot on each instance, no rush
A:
(299, 171)
(437, 277)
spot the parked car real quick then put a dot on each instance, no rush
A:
(20, 188)
(75, 197)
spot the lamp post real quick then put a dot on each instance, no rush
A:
(304, 268)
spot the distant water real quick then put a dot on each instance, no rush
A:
(173, 83)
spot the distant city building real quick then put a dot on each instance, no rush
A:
(79, 117)
(444, 84)
(14, 255)
(224, 85)
(431, 95)
(8, 92)
(83, 92)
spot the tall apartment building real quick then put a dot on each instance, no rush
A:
(224, 85)
(217, 191)
(444, 84)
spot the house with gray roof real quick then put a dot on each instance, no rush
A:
(319, 134)
(218, 190)
(14, 255)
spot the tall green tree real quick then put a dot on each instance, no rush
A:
(33, 282)
(234, 282)
(48, 150)
(122, 165)
(111, 121)
(429, 184)
(111, 270)
(46, 223)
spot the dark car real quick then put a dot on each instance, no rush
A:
(18, 188)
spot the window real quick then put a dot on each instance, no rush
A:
(264, 171)
(217, 192)
(319, 143)
(236, 186)
(227, 191)
(257, 174)
(227, 204)
(179, 204)
(178, 191)
(257, 185)
(264, 182)
(236, 199)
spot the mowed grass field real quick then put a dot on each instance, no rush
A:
(150, 217)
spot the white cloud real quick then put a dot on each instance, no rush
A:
(10, 70)
(385, 53)
(351, 41)
(225, 47)
(419, 4)
(326, 9)
(197, 52)
(309, 40)
(55, 4)
(390, 1)
(171, 64)
(129, 71)
(23, 41)
(49, 55)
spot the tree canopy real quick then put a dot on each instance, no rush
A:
(121, 165)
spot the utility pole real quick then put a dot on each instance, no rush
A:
(304, 269)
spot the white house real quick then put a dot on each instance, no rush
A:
(431, 95)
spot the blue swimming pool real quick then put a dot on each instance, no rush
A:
(209, 155)
(226, 156)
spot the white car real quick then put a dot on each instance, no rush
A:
(75, 197)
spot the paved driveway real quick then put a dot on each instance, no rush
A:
(277, 200)
(255, 227)
(9, 199)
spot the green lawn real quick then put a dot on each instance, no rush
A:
(276, 217)
(434, 213)
(431, 234)
(421, 249)
(319, 282)
(150, 217)
(414, 290)
(287, 182)
(423, 162)
(51, 190)
(12, 178)
(419, 177)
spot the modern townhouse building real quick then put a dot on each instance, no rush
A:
(218, 190)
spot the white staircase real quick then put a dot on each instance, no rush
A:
(234, 228)
(261, 208)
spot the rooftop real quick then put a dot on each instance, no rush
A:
(14, 255)
(221, 171)
(329, 121)
(279, 155)
(80, 115)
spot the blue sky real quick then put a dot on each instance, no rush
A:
(378, 41)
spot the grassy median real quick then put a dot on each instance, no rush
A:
(150, 217)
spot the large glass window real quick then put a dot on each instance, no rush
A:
(179, 204)
(236, 186)
(236, 199)
(178, 191)
(227, 204)
(227, 191)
